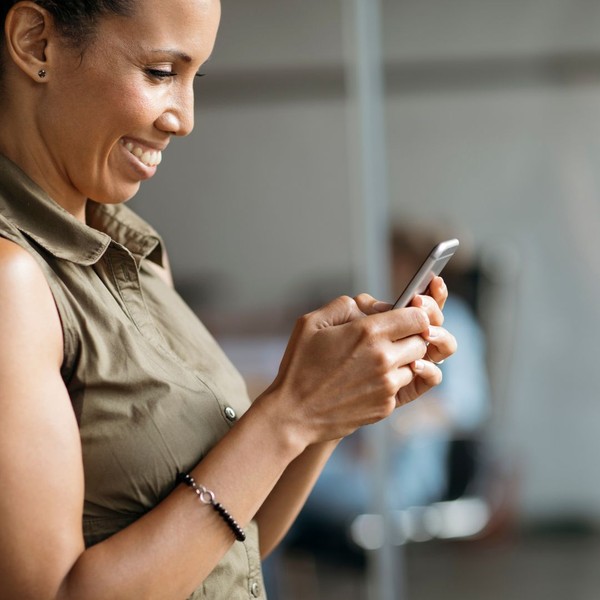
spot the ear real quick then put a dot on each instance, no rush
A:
(28, 28)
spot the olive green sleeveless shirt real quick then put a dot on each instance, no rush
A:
(151, 389)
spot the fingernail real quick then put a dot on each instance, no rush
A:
(381, 306)
(433, 333)
(419, 365)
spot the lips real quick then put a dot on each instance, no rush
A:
(150, 158)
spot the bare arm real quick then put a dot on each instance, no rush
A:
(279, 511)
(169, 551)
(281, 508)
(40, 456)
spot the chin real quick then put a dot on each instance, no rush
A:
(116, 196)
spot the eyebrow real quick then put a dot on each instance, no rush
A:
(177, 53)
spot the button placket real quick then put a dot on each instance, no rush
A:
(127, 280)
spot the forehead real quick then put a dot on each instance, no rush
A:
(187, 25)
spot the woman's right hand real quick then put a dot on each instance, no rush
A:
(343, 369)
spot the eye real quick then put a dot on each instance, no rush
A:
(160, 73)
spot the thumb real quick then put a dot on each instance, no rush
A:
(370, 305)
(337, 312)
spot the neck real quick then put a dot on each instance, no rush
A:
(22, 144)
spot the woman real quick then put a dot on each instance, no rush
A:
(109, 386)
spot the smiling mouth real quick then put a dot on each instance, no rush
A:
(150, 158)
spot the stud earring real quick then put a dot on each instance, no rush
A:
(42, 73)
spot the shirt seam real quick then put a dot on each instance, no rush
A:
(163, 346)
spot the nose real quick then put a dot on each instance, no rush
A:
(178, 117)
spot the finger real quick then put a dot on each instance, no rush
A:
(431, 307)
(429, 374)
(393, 325)
(370, 306)
(441, 344)
(408, 350)
(438, 291)
(396, 355)
(402, 378)
(426, 376)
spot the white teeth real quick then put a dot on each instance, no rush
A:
(150, 158)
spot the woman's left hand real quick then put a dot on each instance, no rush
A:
(441, 343)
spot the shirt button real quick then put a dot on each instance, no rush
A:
(255, 589)
(230, 413)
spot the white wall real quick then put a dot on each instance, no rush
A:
(260, 192)
(524, 166)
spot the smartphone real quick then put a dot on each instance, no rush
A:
(431, 267)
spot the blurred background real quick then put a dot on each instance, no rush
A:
(491, 133)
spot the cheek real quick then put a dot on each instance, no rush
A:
(134, 98)
(118, 104)
(129, 107)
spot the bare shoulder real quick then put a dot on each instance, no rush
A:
(14, 259)
(12, 255)
(17, 265)
(38, 433)
(26, 303)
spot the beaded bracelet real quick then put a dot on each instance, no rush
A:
(207, 497)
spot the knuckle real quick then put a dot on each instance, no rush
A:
(369, 329)
(304, 321)
(362, 298)
(436, 316)
(389, 406)
(389, 385)
(346, 301)
(419, 319)
(421, 345)
(310, 323)
(384, 408)
(382, 361)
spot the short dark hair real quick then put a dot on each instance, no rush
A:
(76, 19)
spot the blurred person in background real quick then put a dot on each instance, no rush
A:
(457, 410)
(420, 467)
(133, 463)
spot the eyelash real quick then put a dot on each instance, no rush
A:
(158, 74)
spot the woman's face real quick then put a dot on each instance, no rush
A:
(108, 113)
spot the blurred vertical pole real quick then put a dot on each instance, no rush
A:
(371, 262)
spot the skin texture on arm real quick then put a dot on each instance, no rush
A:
(169, 551)
(40, 455)
(281, 508)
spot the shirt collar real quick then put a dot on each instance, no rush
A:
(34, 213)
